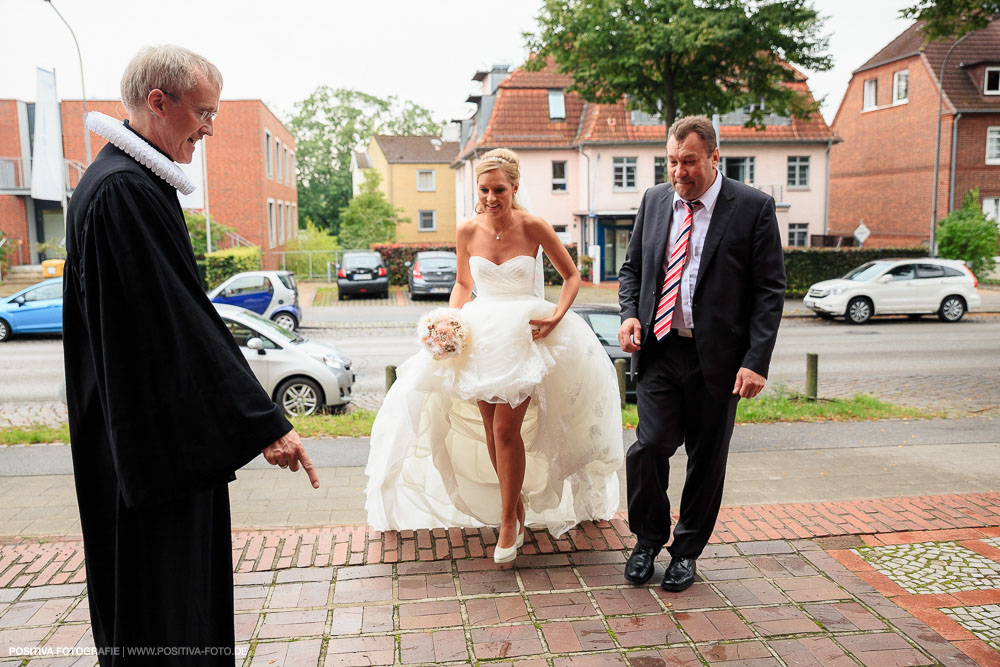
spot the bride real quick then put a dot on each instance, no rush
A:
(524, 428)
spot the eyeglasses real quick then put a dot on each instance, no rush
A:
(205, 115)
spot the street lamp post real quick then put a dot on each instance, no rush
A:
(937, 146)
(83, 89)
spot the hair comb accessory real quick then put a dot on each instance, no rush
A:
(495, 158)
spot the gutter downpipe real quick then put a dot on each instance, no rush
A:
(826, 197)
(937, 147)
(951, 184)
(590, 211)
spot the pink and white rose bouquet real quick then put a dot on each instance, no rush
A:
(443, 333)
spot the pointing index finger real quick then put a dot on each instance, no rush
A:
(307, 465)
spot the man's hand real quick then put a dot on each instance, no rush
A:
(748, 384)
(629, 335)
(289, 452)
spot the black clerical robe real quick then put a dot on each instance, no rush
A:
(163, 408)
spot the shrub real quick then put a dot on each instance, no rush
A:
(967, 234)
(311, 242)
(225, 263)
(805, 266)
(552, 276)
(196, 231)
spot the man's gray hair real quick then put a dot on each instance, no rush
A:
(700, 125)
(169, 68)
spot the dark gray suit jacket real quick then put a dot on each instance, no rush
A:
(740, 289)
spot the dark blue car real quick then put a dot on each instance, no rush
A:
(35, 309)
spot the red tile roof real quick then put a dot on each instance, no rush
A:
(520, 119)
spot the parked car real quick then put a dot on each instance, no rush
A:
(360, 273)
(35, 309)
(914, 286)
(605, 322)
(432, 273)
(271, 294)
(302, 376)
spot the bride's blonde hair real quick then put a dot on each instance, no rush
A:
(507, 161)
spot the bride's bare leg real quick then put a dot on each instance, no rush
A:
(509, 463)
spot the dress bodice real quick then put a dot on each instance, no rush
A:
(513, 277)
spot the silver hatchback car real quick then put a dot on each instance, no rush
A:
(300, 375)
(911, 286)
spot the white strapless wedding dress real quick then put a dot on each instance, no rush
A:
(429, 466)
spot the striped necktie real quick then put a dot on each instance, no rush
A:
(672, 280)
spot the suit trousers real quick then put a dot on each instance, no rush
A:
(676, 407)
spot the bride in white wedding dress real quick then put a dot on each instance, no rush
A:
(524, 428)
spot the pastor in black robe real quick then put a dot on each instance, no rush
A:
(163, 408)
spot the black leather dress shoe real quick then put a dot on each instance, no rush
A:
(639, 567)
(679, 575)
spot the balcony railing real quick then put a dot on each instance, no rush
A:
(15, 175)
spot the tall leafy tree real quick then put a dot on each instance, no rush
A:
(681, 57)
(328, 126)
(952, 18)
(967, 234)
(369, 217)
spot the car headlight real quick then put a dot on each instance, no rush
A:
(333, 361)
(838, 290)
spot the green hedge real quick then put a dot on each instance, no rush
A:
(805, 266)
(222, 264)
(395, 256)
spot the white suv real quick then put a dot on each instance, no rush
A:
(914, 286)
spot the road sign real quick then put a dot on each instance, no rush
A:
(862, 233)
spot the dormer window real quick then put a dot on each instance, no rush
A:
(991, 82)
(557, 105)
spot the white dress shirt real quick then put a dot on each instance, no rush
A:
(699, 229)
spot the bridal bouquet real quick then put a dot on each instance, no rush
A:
(443, 333)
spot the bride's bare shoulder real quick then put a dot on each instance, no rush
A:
(466, 228)
(535, 225)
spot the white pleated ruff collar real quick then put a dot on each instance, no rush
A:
(139, 150)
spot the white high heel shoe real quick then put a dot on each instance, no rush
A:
(507, 554)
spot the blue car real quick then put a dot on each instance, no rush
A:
(273, 295)
(35, 309)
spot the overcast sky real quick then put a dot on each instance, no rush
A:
(280, 51)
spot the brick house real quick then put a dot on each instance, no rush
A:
(883, 171)
(585, 166)
(416, 177)
(251, 175)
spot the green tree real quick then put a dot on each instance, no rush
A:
(196, 230)
(369, 217)
(952, 18)
(329, 126)
(681, 57)
(967, 234)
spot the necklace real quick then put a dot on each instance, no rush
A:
(496, 234)
(139, 150)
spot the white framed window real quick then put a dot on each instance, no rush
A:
(267, 154)
(291, 168)
(900, 86)
(281, 223)
(739, 169)
(425, 180)
(991, 81)
(557, 105)
(427, 221)
(798, 234)
(277, 160)
(993, 145)
(871, 94)
(270, 223)
(559, 176)
(624, 173)
(798, 171)
(991, 207)
(659, 170)
(287, 166)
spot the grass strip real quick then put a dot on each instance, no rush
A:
(34, 433)
(355, 424)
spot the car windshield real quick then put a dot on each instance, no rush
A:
(361, 261)
(866, 272)
(288, 280)
(437, 263)
(606, 327)
(269, 328)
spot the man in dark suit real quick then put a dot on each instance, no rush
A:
(701, 293)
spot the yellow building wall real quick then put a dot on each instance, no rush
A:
(399, 182)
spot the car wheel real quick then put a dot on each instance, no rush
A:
(340, 296)
(859, 310)
(286, 320)
(4, 331)
(952, 309)
(300, 397)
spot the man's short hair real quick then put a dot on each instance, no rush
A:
(700, 125)
(169, 68)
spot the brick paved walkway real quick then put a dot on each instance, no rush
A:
(904, 581)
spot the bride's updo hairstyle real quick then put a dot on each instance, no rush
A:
(507, 161)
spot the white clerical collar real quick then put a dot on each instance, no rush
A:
(708, 198)
(139, 150)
